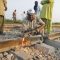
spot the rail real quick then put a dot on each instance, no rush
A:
(53, 36)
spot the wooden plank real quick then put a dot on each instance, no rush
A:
(54, 35)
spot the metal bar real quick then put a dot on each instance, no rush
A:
(53, 43)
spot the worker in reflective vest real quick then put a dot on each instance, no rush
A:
(46, 14)
(3, 7)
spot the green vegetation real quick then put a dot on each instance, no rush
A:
(8, 21)
(56, 23)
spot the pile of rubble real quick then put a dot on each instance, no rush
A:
(8, 36)
(38, 52)
(6, 56)
(34, 52)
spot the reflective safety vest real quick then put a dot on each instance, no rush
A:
(2, 2)
(46, 11)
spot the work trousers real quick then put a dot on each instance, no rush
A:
(1, 23)
(48, 25)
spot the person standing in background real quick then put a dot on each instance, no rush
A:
(3, 8)
(37, 11)
(14, 15)
(36, 8)
(46, 14)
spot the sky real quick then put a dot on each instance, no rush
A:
(24, 5)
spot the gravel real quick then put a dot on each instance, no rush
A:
(38, 52)
(9, 36)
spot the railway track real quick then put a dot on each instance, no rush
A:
(11, 44)
(6, 46)
(53, 40)
(53, 36)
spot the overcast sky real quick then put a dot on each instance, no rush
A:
(24, 5)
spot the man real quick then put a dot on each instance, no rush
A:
(3, 7)
(36, 8)
(30, 18)
(46, 14)
(32, 21)
(14, 15)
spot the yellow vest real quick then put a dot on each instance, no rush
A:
(1, 7)
(48, 0)
(46, 11)
(51, 1)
